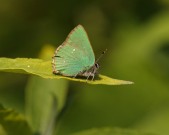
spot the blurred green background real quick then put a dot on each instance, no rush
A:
(136, 34)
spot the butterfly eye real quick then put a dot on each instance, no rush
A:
(97, 65)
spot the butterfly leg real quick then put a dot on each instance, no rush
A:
(75, 75)
(92, 77)
(88, 76)
(93, 73)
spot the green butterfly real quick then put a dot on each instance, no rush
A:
(75, 56)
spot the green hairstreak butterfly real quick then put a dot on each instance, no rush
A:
(75, 56)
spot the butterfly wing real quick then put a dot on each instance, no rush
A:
(75, 55)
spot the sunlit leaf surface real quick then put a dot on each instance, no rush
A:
(43, 69)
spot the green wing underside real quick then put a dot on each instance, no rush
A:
(75, 55)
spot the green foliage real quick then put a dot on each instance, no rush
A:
(43, 68)
(136, 35)
(13, 122)
(44, 100)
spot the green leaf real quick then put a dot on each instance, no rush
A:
(40, 103)
(43, 69)
(13, 123)
(111, 131)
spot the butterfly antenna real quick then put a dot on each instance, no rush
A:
(101, 56)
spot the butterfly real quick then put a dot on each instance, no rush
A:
(75, 56)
